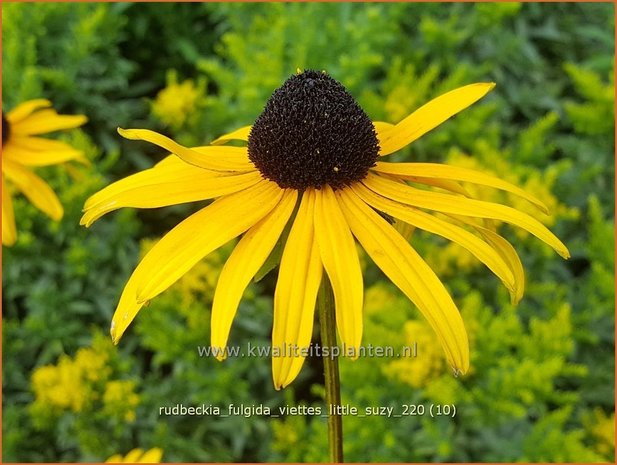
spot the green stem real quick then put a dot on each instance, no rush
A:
(327, 323)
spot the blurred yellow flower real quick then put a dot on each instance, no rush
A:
(419, 370)
(83, 384)
(22, 151)
(601, 428)
(120, 399)
(313, 159)
(68, 385)
(153, 455)
(177, 101)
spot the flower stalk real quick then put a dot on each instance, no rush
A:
(327, 323)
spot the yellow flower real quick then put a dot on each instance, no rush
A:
(62, 386)
(153, 455)
(176, 102)
(313, 158)
(21, 151)
(601, 428)
(120, 399)
(428, 365)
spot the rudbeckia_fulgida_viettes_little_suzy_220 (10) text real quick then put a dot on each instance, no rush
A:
(24, 150)
(313, 159)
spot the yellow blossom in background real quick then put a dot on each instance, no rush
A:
(153, 455)
(68, 385)
(429, 363)
(601, 428)
(120, 399)
(23, 150)
(92, 364)
(175, 104)
(83, 384)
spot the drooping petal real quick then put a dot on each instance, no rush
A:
(24, 110)
(45, 121)
(406, 269)
(126, 311)
(338, 253)
(163, 186)
(409, 171)
(244, 262)
(34, 188)
(508, 253)
(431, 115)
(191, 240)
(462, 206)
(238, 134)
(215, 158)
(9, 230)
(295, 296)
(480, 249)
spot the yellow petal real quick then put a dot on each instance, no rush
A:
(404, 229)
(154, 455)
(295, 296)
(226, 159)
(9, 230)
(409, 171)
(243, 263)
(238, 134)
(381, 128)
(508, 253)
(117, 458)
(191, 240)
(170, 168)
(406, 269)
(480, 249)
(431, 115)
(445, 184)
(39, 144)
(32, 157)
(25, 109)
(340, 259)
(200, 234)
(163, 186)
(133, 456)
(45, 121)
(126, 311)
(461, 206)
(34, 188)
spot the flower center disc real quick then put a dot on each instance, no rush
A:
(312, 133)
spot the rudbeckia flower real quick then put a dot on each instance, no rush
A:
(313, 159)
(22, 151)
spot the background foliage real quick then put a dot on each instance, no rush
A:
(541, 386)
